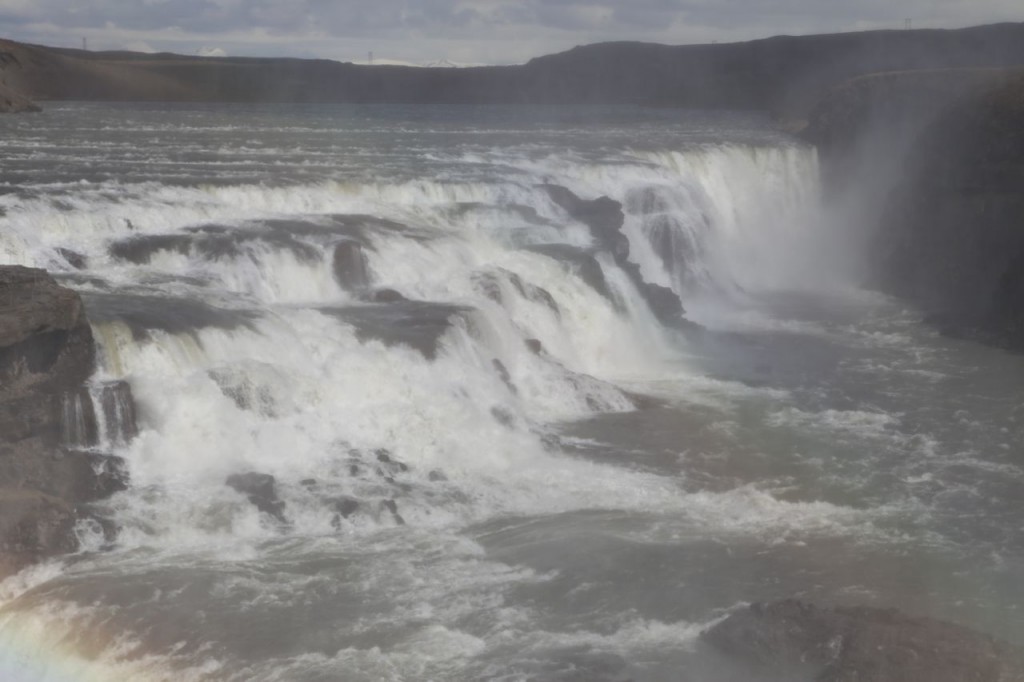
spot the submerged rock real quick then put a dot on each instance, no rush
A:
(416, 324)
(579, 262)
(343, 507)
(858, 644)
(75, 259)
(260, 490)
(385, 296)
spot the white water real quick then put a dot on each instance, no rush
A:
(525, 541)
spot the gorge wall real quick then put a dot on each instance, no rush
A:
(936, 158)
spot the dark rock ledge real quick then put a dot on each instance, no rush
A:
(793, 640)
(46, 356)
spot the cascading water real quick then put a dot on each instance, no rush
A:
(404, 411)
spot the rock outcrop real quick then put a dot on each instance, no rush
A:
(859, 645)
(605, 219)
(46, 356)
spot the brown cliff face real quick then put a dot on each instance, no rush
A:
(46, 356)
(952, 235)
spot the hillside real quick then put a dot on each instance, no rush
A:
(784, 74)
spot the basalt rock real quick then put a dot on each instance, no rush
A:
(46, 356)
(859, 645)
(605, 219)
(351, 269)
(260, 490)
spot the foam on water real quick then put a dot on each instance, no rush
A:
(432, 411)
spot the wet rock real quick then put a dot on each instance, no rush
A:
(603, 216)
(392, 507)
(393, 465)
(385, 296)
(532, 292)
(416, 324)
(343, 507)
(141, 249)
(858, 645)
(33, 526)
(211, 242)
(73, 258)
(488, 284)
(579, 262)
(351, 268)
(605, 219)
(246, 392)
(506, 378)
(107, 410)
(144, 314)
(503, 417)
(46, 343)
(260, 490)
(46, 356)
(118, 406)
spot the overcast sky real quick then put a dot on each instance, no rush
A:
(461, 31)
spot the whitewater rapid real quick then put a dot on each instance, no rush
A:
(485, 428)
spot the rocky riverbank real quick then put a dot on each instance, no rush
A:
(51, 464)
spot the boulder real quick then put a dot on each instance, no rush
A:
(351, 269)
(385, 296)
(858, 644)
(605, 219)
(260, 490)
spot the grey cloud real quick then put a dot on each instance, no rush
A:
(518, 29)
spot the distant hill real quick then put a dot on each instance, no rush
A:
(784, 74)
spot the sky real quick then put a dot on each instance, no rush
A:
(456, 31)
